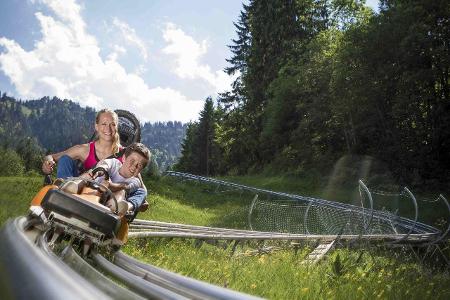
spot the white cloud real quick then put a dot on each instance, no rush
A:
(188, 53)
(66, 63)
(129, 35)
(117, 51)
(139, 70)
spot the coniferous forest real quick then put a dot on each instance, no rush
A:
(321, 80)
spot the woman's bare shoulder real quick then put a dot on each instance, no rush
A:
(81, 147)
(80, 151)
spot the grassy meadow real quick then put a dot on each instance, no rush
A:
(357, 272)
(16, 194)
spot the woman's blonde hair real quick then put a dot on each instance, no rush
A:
(116, 138)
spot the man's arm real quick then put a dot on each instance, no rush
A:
(141, 182)
(115, 187)
(131, 185)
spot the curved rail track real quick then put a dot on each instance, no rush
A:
(336, 218)
(145, 228)
(30, 269)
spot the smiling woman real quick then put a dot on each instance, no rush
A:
(106, 144)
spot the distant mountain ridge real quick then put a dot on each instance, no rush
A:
(57, 124)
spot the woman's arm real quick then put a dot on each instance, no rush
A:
(76, 152)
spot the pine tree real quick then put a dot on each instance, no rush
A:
(206, 137)
(189, 159)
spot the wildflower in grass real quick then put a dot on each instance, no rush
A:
(253, 286)
(305, 290)
(262, 259)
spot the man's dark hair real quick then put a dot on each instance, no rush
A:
(139, 148)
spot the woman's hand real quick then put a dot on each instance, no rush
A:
(48, 164)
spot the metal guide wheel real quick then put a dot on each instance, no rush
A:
(129, 128)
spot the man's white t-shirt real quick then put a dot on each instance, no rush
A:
(113, 166)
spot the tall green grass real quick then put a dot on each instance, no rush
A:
(345, 274)
(16, 194)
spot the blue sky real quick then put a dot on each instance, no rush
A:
(158, 59)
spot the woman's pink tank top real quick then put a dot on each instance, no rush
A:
(92, 159)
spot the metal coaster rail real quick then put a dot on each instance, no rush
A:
(145, 228)
(411, 227)
(46, 278)
(25, 256)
